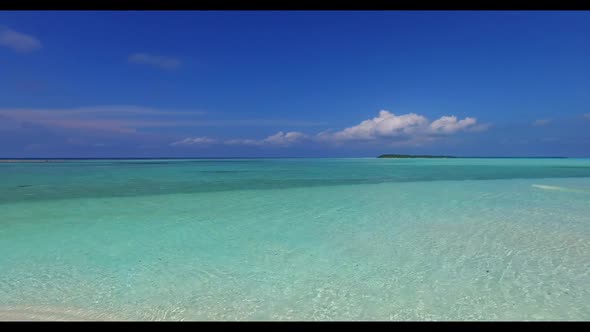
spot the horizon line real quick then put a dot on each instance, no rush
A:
(285, 157)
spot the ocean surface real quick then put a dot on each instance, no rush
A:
(295, 239)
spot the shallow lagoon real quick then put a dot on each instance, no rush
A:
(296, 239)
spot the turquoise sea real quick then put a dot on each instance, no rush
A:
(295, 239)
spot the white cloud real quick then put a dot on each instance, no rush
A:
(402, 128)
(541, 122)
(281, 138)
(18, 41)
(164, 62)
(386, 128)
(386, 124)
(195, 141)
(450, 125)
(278, 139)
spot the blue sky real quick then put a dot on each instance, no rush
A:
(294, 84)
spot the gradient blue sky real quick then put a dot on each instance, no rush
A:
(334, 84)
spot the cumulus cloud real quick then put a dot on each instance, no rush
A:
(164, 62)
(282, 138)
(405, 129)
(18, 41)
(541, 122)
(204, 140)
(385, 125)
(400, 128)
(278, 139)
(450, 125)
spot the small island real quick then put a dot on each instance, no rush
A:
(411, 156)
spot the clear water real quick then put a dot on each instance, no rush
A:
(296, 239)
